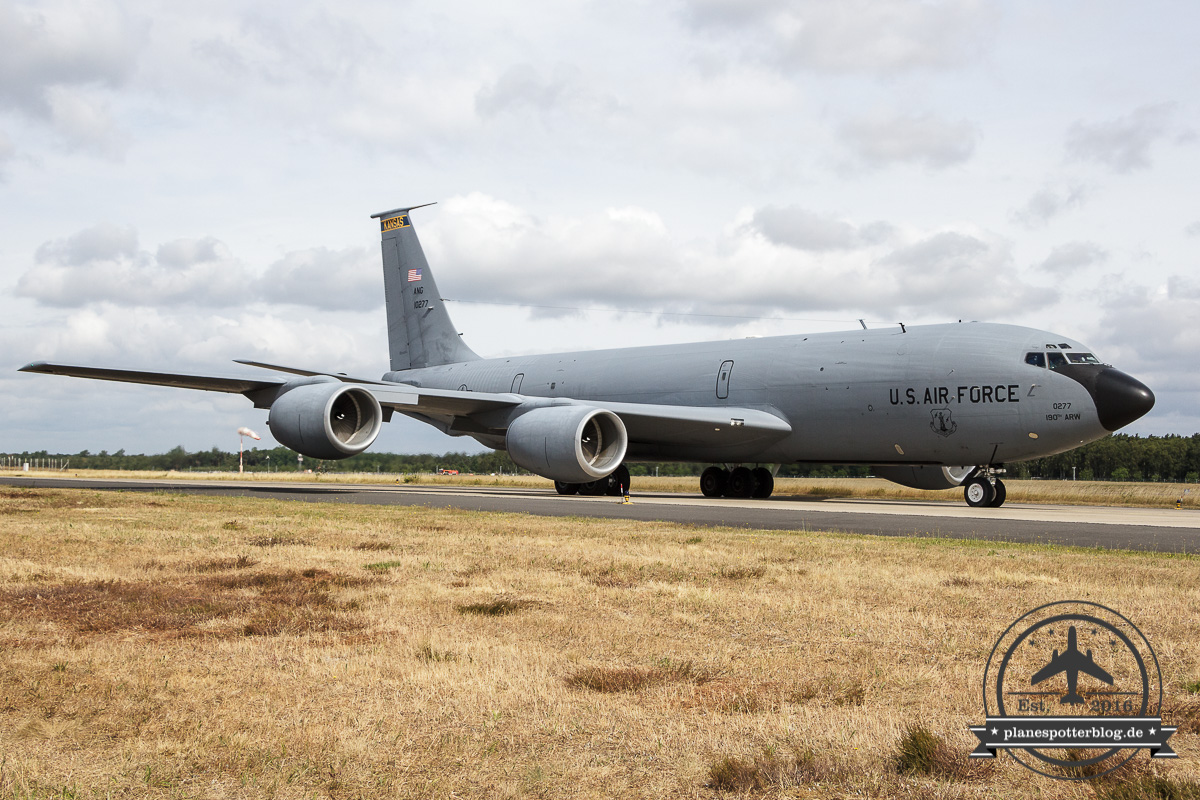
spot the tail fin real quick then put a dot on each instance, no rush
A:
(420, 333)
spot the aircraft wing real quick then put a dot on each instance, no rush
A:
(341, 376)
(696, 425)
(441, 402)
(646, 423)
(202, 382)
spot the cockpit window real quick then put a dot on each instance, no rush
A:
(1057, 360)
(1036, 359)
(1082, 358)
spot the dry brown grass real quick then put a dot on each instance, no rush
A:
(150, 648)
(1095, 493)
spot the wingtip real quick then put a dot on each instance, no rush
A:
(33, 366)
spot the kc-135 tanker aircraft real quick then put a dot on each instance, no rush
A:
(929, 406)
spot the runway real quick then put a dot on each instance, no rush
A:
(1162, 530)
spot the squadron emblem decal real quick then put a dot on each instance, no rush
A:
(941, 422)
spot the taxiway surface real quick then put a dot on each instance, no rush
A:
(1163, 530)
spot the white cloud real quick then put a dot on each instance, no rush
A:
(105, 264)
(309, 45)
(1122, 144)
(7, 152)
(57, 63)
(806, 230)
(910, 138)
(203, 341)
(763, 263)
(1181, 288)
(506, 253)
(1073, 256)
(85, 122)
(60, 44)
(334, 280)
(523, 88)
(873, 36)
(98, 243)
(1047, 203)
(322, 72)
(1153, 333)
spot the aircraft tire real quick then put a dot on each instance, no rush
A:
(1001, 493)
(618, 480)
(978, 492)
(713, 482)
(765, 482)
(741, 483)
(562, 487)
(594, 488)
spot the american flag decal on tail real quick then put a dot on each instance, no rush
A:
(414, 275)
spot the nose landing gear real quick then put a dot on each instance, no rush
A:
(984, 489)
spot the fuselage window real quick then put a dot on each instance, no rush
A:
(1057, 360)
(1082, 358)
(1036, 359)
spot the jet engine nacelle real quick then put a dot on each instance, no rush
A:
(325, 418)
(572, 444)
(925, 477)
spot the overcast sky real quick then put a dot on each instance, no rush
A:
(185, 184)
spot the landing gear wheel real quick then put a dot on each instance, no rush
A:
(713, 481)
(618, 481)
(979, 492)
(562, 487)
(1001, 493)
(741, 483)
(594, 488)
(765, 481)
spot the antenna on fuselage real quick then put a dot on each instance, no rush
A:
(860, 322)
(902, 328)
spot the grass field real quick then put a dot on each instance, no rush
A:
(172, 646)
(1092, 493)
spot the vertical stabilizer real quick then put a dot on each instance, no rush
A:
(420, 333)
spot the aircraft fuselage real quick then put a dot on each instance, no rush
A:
(939, 394)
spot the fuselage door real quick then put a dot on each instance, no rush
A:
(516, 384)
(723, 380)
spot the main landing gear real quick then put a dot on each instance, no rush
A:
(739, 482)
(614, 485)
(984, 489)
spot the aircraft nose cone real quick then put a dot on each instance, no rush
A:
(1120, 399)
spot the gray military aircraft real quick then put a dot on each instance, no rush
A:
(931, 407)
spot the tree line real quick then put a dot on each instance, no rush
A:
(1119, 457)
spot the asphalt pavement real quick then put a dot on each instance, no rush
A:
(1163, 530)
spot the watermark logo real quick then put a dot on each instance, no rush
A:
(1072, 690)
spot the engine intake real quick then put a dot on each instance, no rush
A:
(325, 418)
(572, 444)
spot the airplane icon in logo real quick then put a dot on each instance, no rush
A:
(1072, 662)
